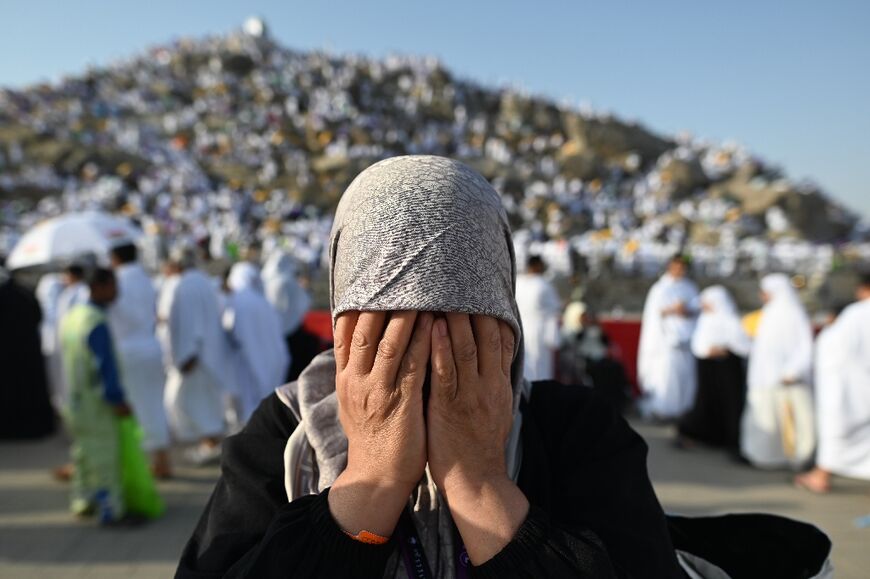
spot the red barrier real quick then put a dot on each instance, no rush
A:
(624, 336)
(319, 323)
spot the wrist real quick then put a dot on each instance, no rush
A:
(358, 503)
(488, 512)
(466, 489)
(376, 481)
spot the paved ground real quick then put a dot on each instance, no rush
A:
(39, 540)
(702, 482)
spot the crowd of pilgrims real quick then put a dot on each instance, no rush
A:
(191, 355)
(762, 386)
(196, 354)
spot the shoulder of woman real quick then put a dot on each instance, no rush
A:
(272, 419)
(578, 417)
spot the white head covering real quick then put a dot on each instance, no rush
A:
(244, 275)
(719, 325)
(779, 289)
(284, 292)
(783, 346)
(572, 321)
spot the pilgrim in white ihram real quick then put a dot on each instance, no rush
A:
(666, 366)
(781, 358)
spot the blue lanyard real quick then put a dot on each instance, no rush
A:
(416, 564)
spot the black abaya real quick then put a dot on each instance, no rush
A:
(715, 416)
(303, 347)
(25, 409)
(594, 512)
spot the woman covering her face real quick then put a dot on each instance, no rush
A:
(414, 448)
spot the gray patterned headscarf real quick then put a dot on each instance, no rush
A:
(411, 233)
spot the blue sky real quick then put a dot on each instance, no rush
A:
(790, 78)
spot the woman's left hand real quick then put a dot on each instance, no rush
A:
(469, 418)
(470, 406)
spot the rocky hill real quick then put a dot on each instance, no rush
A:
(288, 130)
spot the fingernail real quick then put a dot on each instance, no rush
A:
(442, 328)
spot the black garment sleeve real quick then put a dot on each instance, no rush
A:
(249, 529)
(586, 467)
(539, 549)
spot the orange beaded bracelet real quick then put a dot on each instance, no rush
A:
(367, 538)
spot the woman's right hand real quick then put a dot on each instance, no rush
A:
(379, 382)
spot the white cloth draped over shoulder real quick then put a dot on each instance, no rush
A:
(259, 353)
(72, 295)
(190, 327)
(719, 325)
(133, 321)
(782, 352)
(843, 393)
(540, 308)
(48, 292)
(666, 366)
(284, 292)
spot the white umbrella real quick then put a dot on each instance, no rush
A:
(64, 238)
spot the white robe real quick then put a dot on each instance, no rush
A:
(284, 292)
(259, 353)
(782, 351)
(666, 366)
(190, 326)
(843, 393)
(48, 292)
(133, 321)
(72, 295)
(540, 309)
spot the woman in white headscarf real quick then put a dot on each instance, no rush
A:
(781, 357)
(416, 448)
(259, 356)
(720, 346)
(292, 302)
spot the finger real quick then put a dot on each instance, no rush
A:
(343, 337)
(444, 382)
(364, 345)
(412, 373)
(391, 348)
(488, 338)
(508, 343)
(464, 346)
